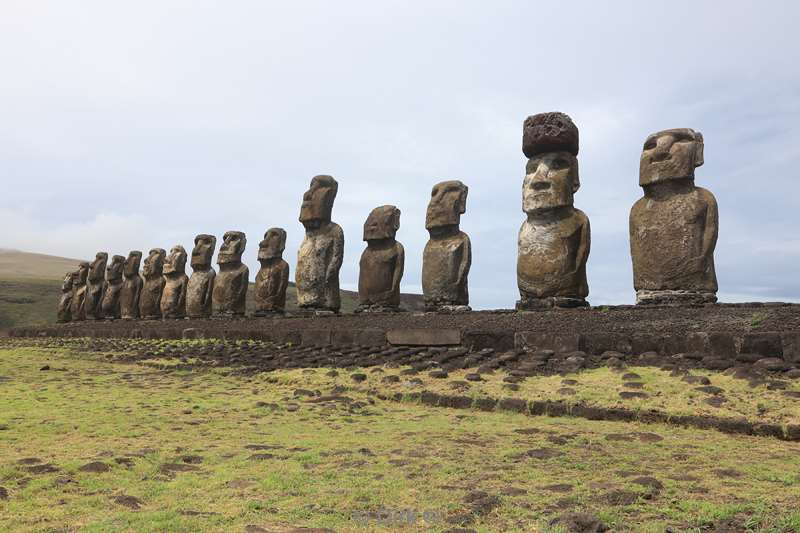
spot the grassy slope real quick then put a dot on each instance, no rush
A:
(322, 462)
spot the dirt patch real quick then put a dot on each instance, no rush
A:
(95, 467)
(42, 469)
(131, 502)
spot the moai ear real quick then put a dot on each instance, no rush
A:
(698, 149)
(396, 219)
(576, 176)
(462, 200)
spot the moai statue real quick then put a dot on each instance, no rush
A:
(150, 296)
(201, 282)
(381, 265)
(273, 276)
(230, 286)
(131, 286)
(674, 227)
(448, 253)
(79, 291)
(113, 289)
(65, 302)
(320, 255)
(95, 282)
(173, 298)
(553, 243)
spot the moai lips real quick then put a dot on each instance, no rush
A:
(113, 289)
(230, 285)
(173, 297)
(150, 296)
(319, 258)
(448, 254)
(553, 243)
(131, 286)
(273, 276)
(201, 283)
(674, 227)
(65, 302)
(381, 264)
(94, 287)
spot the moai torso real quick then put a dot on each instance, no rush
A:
(272, 279)
(153, 287)
(447, 257)
(65, 302)
(131, 286)
(230, 285)
(95, 282)
(79, 292)
(201, 283)
(173, 297)
(111, 295)
(674, 227)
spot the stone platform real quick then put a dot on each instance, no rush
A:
(724, 331)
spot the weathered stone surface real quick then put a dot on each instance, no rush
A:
(315, 337)
(448, 254)
(150, 295)
(79, 291)
(131, 286)
(674, 227)
(381, 264)
(549, 132)
(65, 302)
(273, 276)
(110, 307)
(764, 344)
(322, 250)
(230, 285)
(173, 297)
(94, 287)
(201, 283)
(424, 337)
(553, 243)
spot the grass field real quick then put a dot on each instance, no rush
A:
(100, 445)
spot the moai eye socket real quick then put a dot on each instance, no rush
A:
(559, 164)
(650, 143)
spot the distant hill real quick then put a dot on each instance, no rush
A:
(30, 286)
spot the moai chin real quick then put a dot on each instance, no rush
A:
(230, 285)
(201, 282)
(273, 276)
(322, 250)
(382, 262)
(448, 254)
(674, 226)
(79, 291)
(131, 286)
(150, 296)
(553, 243)
(65, 302)
(113, 289)
(173, 297)
(94, 287)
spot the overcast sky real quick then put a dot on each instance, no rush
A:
(133, 125)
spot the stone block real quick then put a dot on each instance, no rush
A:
(497, 340)
(316, 337)
(766, 344)
(424, 337)
(534, 340)
(370, 337)
(722, 345)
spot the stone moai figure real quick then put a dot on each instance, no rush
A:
(131, 286)
(273, 276)
(320, 255)
(95, 282)
(65, 302)
(448, 253)
(553, 243)
(674, 227)
(230, 286)
(382, 262)
(201, 282)
(173, 298)
(111, 295)
(79, 291)
(150, 295)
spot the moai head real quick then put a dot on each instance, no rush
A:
(318, 201)
(448, 203)
(81, 274)
(175, 263)
(132, 263)
(233, 243)
(551, 180)
(114, 268)
(382, 223)
(154, 263)
(549, 132)
(273, 244)
(203, 251)
(97, 268)
(66, 285)
(670, 154)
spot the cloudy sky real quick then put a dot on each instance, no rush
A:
(132, 125)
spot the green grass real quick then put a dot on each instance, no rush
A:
(28, 301)
(332, 460)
